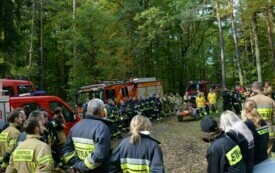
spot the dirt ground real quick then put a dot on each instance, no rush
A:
(183, 151)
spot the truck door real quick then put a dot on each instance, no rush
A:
(67, 113)
(4, 110)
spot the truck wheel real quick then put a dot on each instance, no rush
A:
(180, 119)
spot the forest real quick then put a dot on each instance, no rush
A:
(62, 45)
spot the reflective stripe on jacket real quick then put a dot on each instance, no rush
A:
(8, 140)
(266, 109)
(143, 157)
(224, 156)
(31, 156)
(261, 138)
(88, 145)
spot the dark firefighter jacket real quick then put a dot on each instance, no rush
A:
(88, 146)
(247, 149)
(224, 156)
(261, 137)
(143, 157)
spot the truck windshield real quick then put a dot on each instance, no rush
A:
(194, 87)
(22, 89)
(86, 96)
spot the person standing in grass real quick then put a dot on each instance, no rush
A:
(139, 152)
(212, 98)
(223, 155)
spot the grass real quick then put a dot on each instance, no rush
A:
(183, 151)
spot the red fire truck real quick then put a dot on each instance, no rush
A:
(119, 90)
(30, 103)
(14, 88)
(193, 87)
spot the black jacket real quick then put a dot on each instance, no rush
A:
(247, 149)
(224, 156)
(88, 146)
(261, 137)
(143, 157)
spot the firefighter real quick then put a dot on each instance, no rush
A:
(110, 115)
(123, 117)
(247, 92)
(226, 97)
(266, 109)
(186, 97)
(236, 130)
(267, 90)
(223, 155)
(158, 109)
(139, 152)
(147, 108)
(115, 113)
(32, 155)
(236, 100)
(39, 116)
(129, 112)
(178, 102)
(142, 106)
(152, 111)
(165, 105)
(200, 103)
(136, 107)
(9, 136)
(88, 145)
(59, 125)
(171, 100)
(259, 129)
(212, 98)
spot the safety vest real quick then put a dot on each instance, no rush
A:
(31, 156)
(144, 157)
(212, 98)
(89, 141)
(266, 109)
(8, 140)
(200, 102)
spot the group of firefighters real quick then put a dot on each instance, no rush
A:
(246, 138)
(33, 140)
(23, 142)
(154, 107)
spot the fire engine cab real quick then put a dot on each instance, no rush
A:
(193, 87)
(15, 88)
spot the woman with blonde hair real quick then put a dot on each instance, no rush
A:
(236, 130)
(138, 152)
(259, 129)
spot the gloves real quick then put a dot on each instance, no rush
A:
(6, 157)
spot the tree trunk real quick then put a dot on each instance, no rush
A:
(41, 46)
(237, 50)
(257, 48)
(32, 32)
(270, 40)
(74, 44)
(221, 44)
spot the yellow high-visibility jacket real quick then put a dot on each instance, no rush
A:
(8, 141)
(266, 109)
(200, 101)
(212, 97)
(31, 156)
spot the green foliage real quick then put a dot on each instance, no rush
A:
(175, 41)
